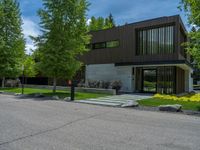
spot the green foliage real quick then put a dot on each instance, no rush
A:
(29, 67)
(109, 22)
(192, 8)
(155, 102)
(64, 37)
(101, 23)
(12, 44)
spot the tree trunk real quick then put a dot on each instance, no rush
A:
(3, 82)
(54, 85)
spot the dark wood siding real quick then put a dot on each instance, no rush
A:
(180, 80)
(126, 35)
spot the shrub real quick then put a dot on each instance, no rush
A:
(116, 85)
(189, 97)
(12, 83)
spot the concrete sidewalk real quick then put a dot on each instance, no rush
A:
(116, 100)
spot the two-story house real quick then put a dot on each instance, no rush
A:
(145, 56)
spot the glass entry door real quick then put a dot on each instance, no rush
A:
(149, 80)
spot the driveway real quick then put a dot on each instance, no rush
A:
(30, 124)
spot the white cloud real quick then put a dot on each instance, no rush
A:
(30, 28)
(88, 21)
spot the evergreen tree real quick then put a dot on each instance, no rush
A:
(93, 24)
(109, 22)
(12, 44)
(64, 38)
(101, 23)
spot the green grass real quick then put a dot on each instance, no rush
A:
(61, 93)
(154, 102)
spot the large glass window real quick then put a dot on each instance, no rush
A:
(155, 41)
(149, 80)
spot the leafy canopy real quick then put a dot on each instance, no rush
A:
(29, 66)
(192, 9)
(101, 23)
(64, 37)
(12, 44)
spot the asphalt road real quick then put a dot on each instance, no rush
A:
(28, 124)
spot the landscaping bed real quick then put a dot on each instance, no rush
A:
(188, 102)
(60, 93)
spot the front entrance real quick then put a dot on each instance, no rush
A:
(149, 84)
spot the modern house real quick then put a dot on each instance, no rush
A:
(145, 56)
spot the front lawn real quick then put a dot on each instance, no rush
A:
(61, 93)
(155, 102)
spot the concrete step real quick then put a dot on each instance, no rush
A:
(100, 103)
(108, 100)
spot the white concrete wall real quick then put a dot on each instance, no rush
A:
(188, 80)
(109, 72)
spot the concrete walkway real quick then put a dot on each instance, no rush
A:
(116, 100)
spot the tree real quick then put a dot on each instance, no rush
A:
(64, 38)
(29, 66)
(100, 23)
(192, 9)
(109, 22)
(93, 24)
(12, 44)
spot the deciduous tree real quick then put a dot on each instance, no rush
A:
(12, 44)
(192, 8)
(64, 38)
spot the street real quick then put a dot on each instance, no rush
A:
(33, 124)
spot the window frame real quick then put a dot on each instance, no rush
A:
(105, 44)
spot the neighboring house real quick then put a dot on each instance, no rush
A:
(145, 56)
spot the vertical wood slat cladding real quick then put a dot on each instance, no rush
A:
(126, 35)
(166, 80)
(139, 79)
(180, 80)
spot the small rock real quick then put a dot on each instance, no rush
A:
(38, 95)
(67, 99)
(55, 98)
(171, 108)
(130, 104)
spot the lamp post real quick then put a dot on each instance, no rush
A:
(22, 79)
(72, 90)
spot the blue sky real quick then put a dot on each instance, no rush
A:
(124, 11)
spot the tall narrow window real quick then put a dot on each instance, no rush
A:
(155, 41)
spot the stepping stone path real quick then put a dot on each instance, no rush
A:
(116, 100)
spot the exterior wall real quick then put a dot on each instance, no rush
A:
(132, 83)
(188, 80)
(126, 52)
(180, 81)
(109, 72)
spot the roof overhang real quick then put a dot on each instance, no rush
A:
(181, 63)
